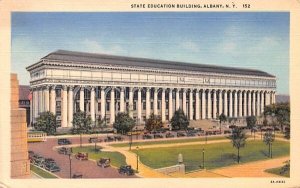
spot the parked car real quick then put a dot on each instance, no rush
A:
(38, 160)
(180, 134)
(118, 138)
(109, 139)
(169, 135)
(94, 139)
(190, 134)
(52, 167)
(63, 141)
(103, 162)
(77, 175)
(64, 150)
(30, 155)
(147, 136)
(126, 169)
(158, 136)
(81, 156)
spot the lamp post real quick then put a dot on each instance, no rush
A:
(137, 158)
(203, 154)
(271, 150)
(70, 163)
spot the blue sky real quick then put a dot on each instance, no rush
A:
(250, 40)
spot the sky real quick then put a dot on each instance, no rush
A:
(256, 40)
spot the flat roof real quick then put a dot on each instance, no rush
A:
(93, 58)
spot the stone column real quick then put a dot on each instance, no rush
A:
(203, 104)
(163, 105)
(177, 99)
(197, 114)
(31, 107)
(53, 100)
(225, 104)
(191, 111)
(36, 107)
(139, 106)
(41, 106)
(148, 107)
(170, 104)
(258, 104)
(240, 104)
(70, 107)
(103, 101)
(131, 102)
(245, 103)
(184, 101)
(249, 103)
(155, 102)
(81, 103)
(46, 98)
(209, 104)
(268, 98)
(235, 104)
(273, 98)
(112, 105)
(253, 104)
(64, 114)
(92, 103)
(214, 115)
(230, 104)
(262, 102)
(220, 102)
(122, 99)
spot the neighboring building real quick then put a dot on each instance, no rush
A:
(20, 165)
(282, 98)
(65, 82)
(24, 100)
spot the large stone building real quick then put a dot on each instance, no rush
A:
(64, 82)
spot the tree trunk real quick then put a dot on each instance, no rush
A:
(238, 158)
(269, 150)
(80, 139)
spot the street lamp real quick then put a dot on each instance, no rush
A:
(203, 153)
(137, 158)
(271, 150)
(70, 162)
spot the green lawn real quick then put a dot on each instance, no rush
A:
(117, 159)
(216, 155)
(277, 172)
(41, 172)
(175, 141)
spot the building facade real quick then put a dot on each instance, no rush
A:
(24, 100)
(64, 82)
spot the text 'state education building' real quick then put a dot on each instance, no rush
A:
(64, 82)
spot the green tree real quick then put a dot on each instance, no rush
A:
(153, 123)
(282, 113)
(222, 118)
(268, 140)
(100, 124)
(123, 123)
(179, 120)
(81, 124)
(251, 122)
(238, 139)
(46, 122)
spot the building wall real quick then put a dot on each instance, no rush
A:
(20, 165)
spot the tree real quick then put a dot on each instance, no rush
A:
(268, 140)
(282, 113)
(222, 118)
(46, 122)
(153, 122)
(238, 139)
(179, 120)
(81, 124)
(251, 122)
(123, 123)
(100, 123)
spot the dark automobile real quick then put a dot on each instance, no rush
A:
(147, 136)
(109, 139)
(30, 155)
(64, 150)
(52, 167)
(118, 138)
(158, 136)
(77, 175)
(94, 139)
(81, 156)
(190, 134)
(63, 141)
(103, 162)
(38, 160)
(126, 169)
(169, 135)
(180, 134)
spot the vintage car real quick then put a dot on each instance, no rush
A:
(63, 141)
(94, 140)
(77, 175)
(118, 138)
(180, 134)
(190, 134)
(126, 169)
(109, 139)
(52, 167)
(147, 136)
(169, 135)
(64, 150)
(81, 156)
(158, 136)
(103, 162)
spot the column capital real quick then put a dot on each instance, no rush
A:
(122, 89)
(171, 89)
(148, 89)
(64, 87)
(82, 88)
(92, 88)
(163, 89)
(155, 89)
(71, 88)
(184, 90)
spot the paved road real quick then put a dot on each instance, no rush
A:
(89, 169)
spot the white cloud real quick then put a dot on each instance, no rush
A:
(191, 46)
